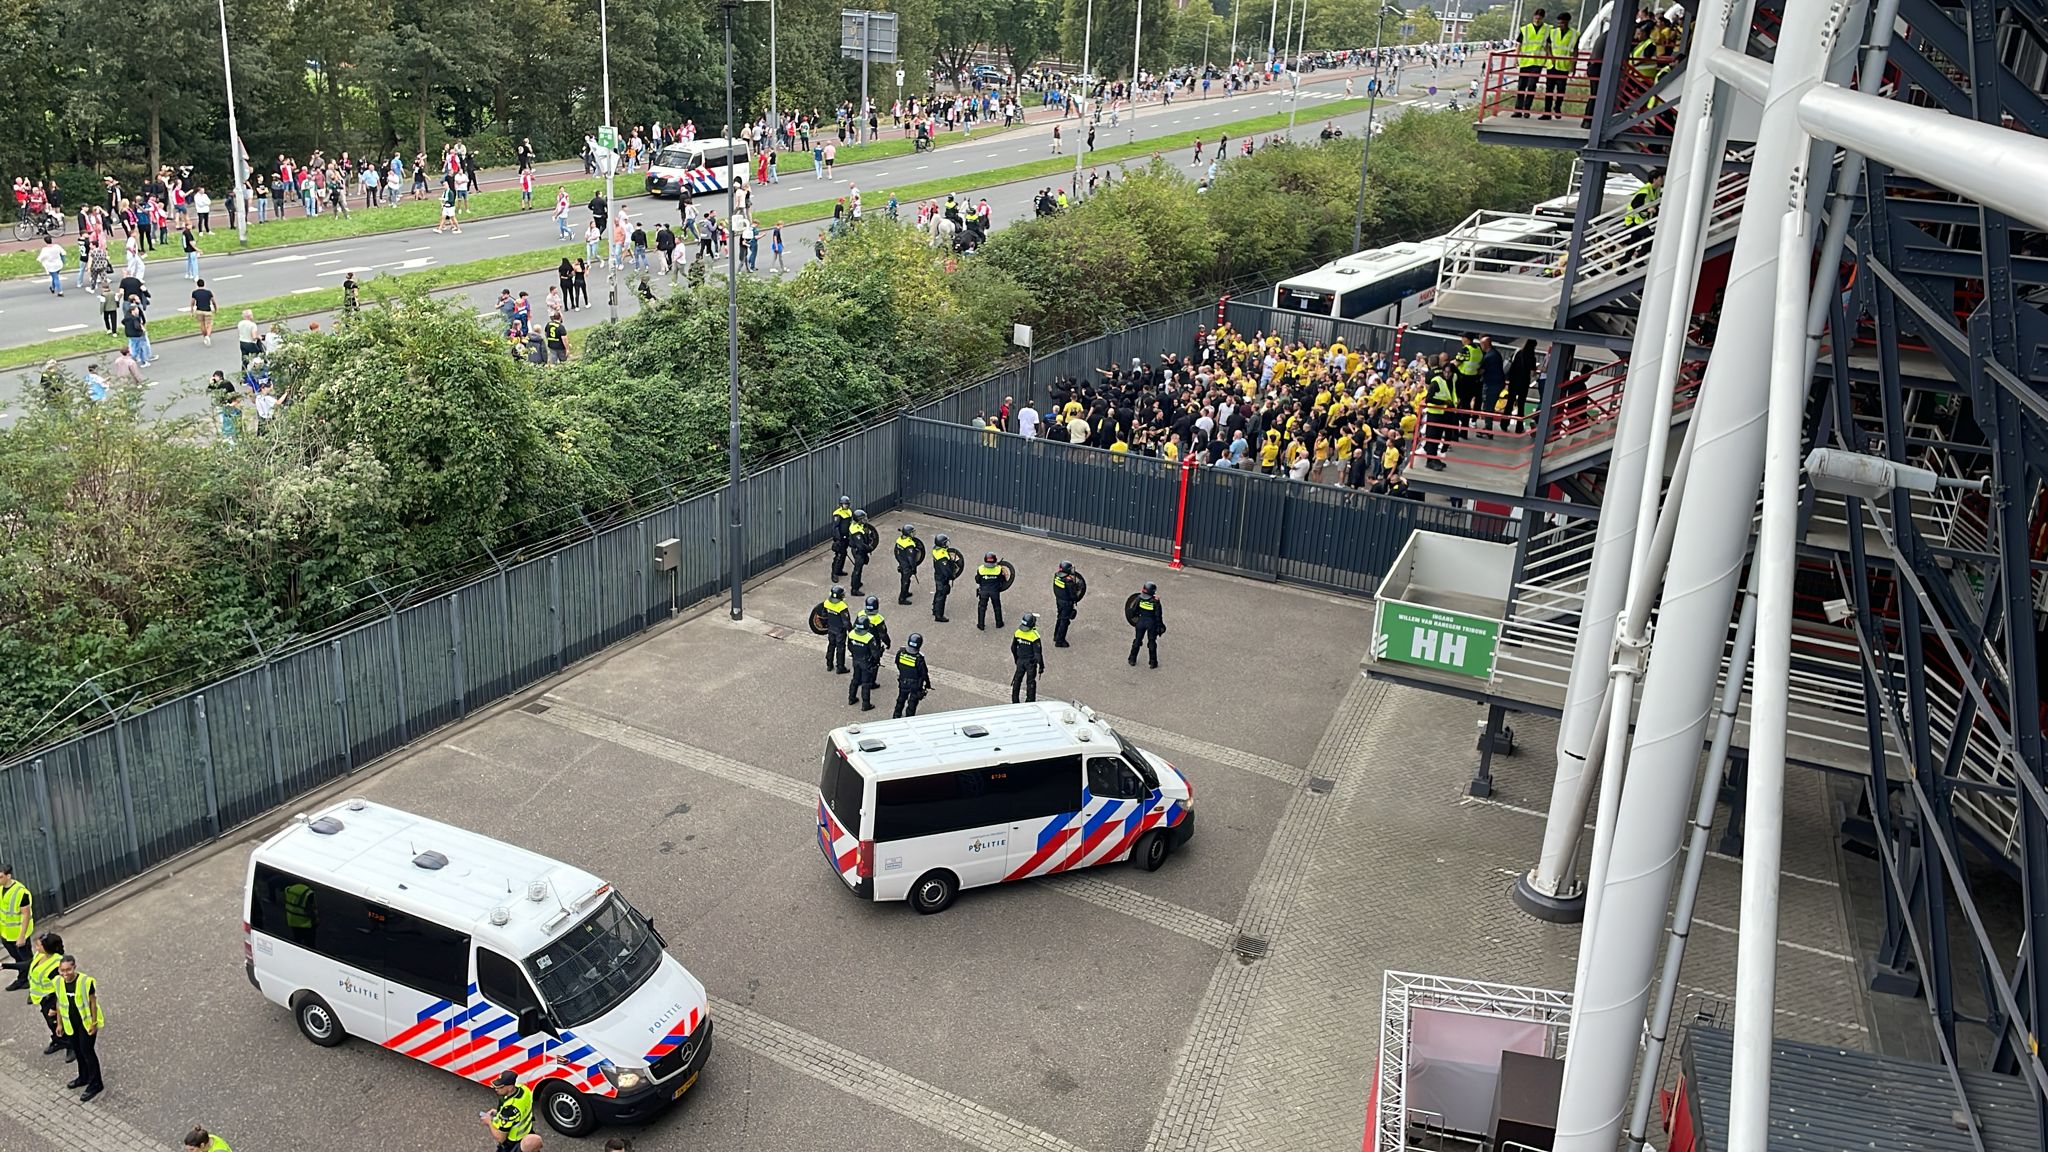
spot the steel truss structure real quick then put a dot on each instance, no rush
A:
(1402, 993)
(1856, 193)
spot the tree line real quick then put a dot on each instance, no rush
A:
(373, 76)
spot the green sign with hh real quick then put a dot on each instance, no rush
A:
(1434, 638)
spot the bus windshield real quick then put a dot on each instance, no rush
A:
(594, 966)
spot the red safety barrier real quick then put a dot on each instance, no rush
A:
(1180, 512)
(1501, 92)
(1497, 449)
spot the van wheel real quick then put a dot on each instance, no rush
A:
(1151, 851)
(317, 1021)
(565, 1109)
(934, 892)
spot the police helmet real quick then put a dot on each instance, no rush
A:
(909, 530)
(940, 540)
(846, 501)
(839, 592)
(1066, 566)
(873, 604)
(860, 514)
(1151, 588)
(990, 558)
(915, 641)
(1029, 619)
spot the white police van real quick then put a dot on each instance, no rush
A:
(698, 167)
(921, 807)
(475, 956)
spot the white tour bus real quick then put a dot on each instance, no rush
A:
(1360, 286)
(475, 956)
(922, 807)
(699, 167)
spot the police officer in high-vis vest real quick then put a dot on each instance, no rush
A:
(872, 617)
(1149, 620)
(200, 1140)
(513, 1119)
(942, 575)
(842, 536)
(867, 653)
(1028, 653)
(988, 590)
(1471, 360)
(863, 542)
(80, 1017)
(1066, 586)
(1436, 419)
(17, 924)
(42, 987)
(1532, 56)
(913, 676)
(838, 619)
(908, 547)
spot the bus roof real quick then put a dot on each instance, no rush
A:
(374, 852)
(915, 745)
(1365, 267)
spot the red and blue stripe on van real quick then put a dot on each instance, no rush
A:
(841, 847)
(677, 1038)
(477, 1040)
(1078, 839)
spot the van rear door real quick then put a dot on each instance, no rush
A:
(841, 791)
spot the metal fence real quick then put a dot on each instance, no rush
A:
(104, 806)
(1261, 526)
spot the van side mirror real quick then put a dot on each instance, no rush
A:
(537, 1020)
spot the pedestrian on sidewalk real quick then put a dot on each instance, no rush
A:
(562, 213)
(202, 310)
(80, 1017)
(51, 258)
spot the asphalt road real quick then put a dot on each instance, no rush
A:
(29, 313)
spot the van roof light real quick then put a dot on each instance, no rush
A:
(430, 860)
(1084, 735)
(357, 804)
(973, 731)
(536, 891)
(1068, 717)
(325, 826)
(501, 915)
(870, 744)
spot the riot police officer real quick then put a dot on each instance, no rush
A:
(913, 677)
(842, 536)
(1028, 653)
(943, 561)
(1148, 618)
(871, 612)
(838, 620)
(909, 554)
(867, 655)
(863, 543)
(988, 590)
(1066, 592)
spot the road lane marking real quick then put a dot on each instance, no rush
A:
(235, 276)
(281, 260)
(499, 236)
(325, 263)
(69, 328)
(303, 291)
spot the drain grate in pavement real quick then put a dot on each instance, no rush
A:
(1251, 947)
(537, 708)
(1321, 785)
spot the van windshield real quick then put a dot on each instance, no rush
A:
(1138, 761)
(674, 156)
(594, 966)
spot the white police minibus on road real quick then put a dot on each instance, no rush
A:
(922, 807)
(475, 956)
(698, 167)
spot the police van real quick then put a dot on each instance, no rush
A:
(475, 956)
(697, 167)
(921, 807)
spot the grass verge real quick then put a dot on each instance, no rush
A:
(424, 213)
(520, 263)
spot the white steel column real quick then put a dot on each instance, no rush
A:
(1545, 890)
(1711, 541)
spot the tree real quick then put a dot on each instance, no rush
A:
(1496, 23)
(1026, 31)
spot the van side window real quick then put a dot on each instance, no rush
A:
(1109, 778)
(976, 797)
(350, 930)
(421, 954)
(502, 983)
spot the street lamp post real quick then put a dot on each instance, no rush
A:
(1300, 45)
(237, 170)
(735, 534)
(1236, 8)
(1371, 103)
(611, 165)
(1081, 144)
(1137, 31)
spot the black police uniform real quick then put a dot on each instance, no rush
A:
(861, 550)
(906, 566)
(838, 620)
(913, 680)
(842, 538)
(1151, 622)
(867, 654)
(1028, 652)
(988, 590)
(942, 584)
(1063, 607)
(880, 628)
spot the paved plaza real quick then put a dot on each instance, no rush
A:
(1227, 1001)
